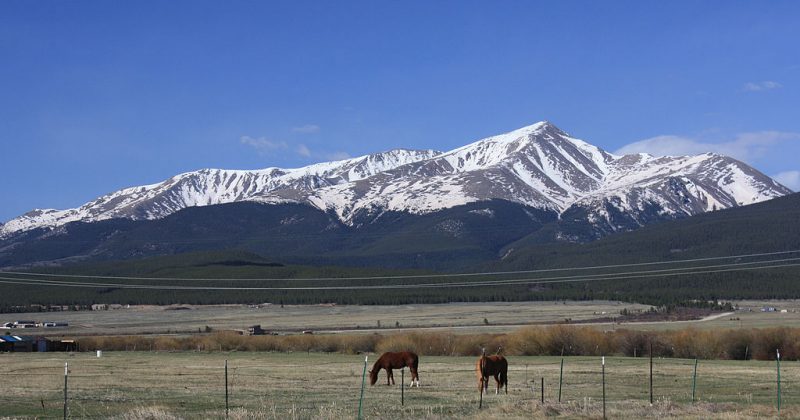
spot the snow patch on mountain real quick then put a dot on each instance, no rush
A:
(538, 166)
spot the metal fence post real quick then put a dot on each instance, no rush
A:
(66, 375)
(483, 380)
(778, 361)
(694, 379)
(651, 372)
(403, 386)
(226, 388)
(604, 386)
(560, 379)
(363, 378)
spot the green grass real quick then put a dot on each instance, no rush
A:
(301, 385)
(456, 317)
(502, 317)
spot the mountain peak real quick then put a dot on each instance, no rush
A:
(538, 165)
(535, 128)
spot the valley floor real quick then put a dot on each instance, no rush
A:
(455, 317)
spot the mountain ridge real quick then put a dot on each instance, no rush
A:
(538, 165)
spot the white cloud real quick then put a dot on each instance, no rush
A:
(337, 156)
(303, 150)
(761, 86)
(790, 179)
(748, 147)
(264, 145)
(306, 129)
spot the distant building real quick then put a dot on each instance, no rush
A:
(17, 343)
(255, 330)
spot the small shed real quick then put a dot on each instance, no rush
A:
(17, 343)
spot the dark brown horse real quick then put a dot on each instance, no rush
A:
(392, 360)
(496, 366)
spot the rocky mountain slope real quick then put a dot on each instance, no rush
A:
(538, 166)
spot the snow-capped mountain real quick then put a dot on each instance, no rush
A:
(538, 166)
(217, 186)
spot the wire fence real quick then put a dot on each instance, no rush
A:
(280, 385)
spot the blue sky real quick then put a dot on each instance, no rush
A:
(97, 95)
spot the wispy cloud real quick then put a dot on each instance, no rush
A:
(337, 156)
(790, 179)
(306, 129)
(306, 152)
(303, 150)
(761, 86)
(264, 145)
(748, 147)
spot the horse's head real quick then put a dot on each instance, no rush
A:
(373, 376)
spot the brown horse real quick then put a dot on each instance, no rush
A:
(392, 360)
(496, 366)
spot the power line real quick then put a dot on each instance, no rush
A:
(563, 279)
(414, 276)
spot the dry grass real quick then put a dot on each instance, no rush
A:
(502, 316)
(166, 385)
(568, 340)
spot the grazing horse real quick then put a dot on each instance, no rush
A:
(496, 366)
(398, 360)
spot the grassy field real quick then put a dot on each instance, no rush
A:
(294, 318)
(160, 385)
(455, 317)
(749, 315)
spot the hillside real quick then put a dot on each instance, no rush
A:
(766, 227)
(401, 208)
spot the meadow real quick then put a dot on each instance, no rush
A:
(150, 319)
(299, 385)
(493, 317)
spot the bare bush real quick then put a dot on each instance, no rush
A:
(568, 340)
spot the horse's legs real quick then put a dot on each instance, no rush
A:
(497, 384)
(414, 377)
(389, 377)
